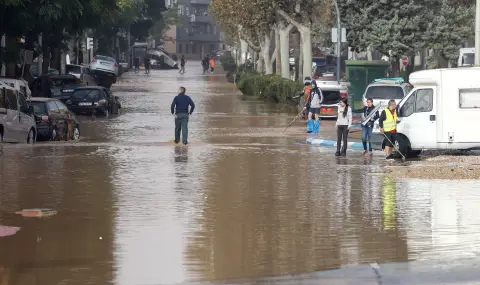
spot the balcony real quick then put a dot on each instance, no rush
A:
(201, 19)
(200, 2)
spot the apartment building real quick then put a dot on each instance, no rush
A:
(196, 34)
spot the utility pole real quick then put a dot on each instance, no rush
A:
(477, 34)
(339, 38)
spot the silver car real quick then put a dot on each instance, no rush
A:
(104, 66)
(16, 117)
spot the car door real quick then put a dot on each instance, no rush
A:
(418, 120)
(55, 117)
(24, 117)
(13, 119)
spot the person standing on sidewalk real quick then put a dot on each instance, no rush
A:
(367, 128)
(182, 65)
(388, 126)
(179, 107)
(344, 122)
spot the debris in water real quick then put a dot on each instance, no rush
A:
(452, 164)
(6, 231)
(37, 213)
(375, 174)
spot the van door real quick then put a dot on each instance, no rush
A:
(13, 118)
(25, 119)
(417, 116)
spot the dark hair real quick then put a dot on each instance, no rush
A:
(370, 99)
(182, 89)
(345, 110)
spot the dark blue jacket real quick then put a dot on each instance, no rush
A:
(180, 104)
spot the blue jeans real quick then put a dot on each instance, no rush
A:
(367, 134)
(181, 125)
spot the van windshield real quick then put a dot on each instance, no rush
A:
(385, 92)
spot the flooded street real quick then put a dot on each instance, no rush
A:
(241, 203)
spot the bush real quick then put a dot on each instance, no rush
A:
(268, 87)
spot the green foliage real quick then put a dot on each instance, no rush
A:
(228, 62)
(268, 87)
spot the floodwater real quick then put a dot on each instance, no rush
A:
(240, 204)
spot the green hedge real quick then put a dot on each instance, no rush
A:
(268, 87)
(228, 62)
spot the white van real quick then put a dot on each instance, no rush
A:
(20, 85)
(441, 112)
(16, 117)
(332, 92)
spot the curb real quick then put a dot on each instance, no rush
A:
(329, 143)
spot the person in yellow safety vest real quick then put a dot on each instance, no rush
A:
(388, 126)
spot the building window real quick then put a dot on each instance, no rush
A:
(194, 48)
(187, 48)
(180, 50)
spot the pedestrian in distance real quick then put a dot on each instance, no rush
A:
(182, 65)
(146, 61)
(315, 102)
(180, 108)
(137, 64)
(205, 64)
(212, 64)
(388, 126)
(367, 128)
(343, 124)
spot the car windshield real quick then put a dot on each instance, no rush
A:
(101, 57)
(74, 69)
(385, 92)
(90, 94)
(65, 81)
(39, 108)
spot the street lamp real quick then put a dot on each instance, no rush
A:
(477, 33)
(339, 38)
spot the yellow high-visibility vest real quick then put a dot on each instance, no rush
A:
(390, 123)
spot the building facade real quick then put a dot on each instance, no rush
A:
(196, 33)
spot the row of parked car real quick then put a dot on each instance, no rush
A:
(46, 109)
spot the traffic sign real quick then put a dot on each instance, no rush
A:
(89, 43)
(405, 60)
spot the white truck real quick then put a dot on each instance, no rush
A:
(466, 57)
(441, 112)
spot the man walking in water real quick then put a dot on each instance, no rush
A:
(182, 65)
(179, 107)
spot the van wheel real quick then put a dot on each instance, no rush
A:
(31, 137)
(403, 144)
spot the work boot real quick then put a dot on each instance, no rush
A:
(337, 153)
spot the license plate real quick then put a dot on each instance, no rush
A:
(85, 104)
(104, 63)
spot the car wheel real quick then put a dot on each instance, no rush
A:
(402, 144)
(76, 133)
(31, 136)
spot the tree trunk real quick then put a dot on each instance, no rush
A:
(45, 57)
(301, 64)
(410, 67)
(298, 58)
(265, 45)
(284, 34)
(260, 63)
(395, 63)
(56, 59)
(306, 44)
(278, 57)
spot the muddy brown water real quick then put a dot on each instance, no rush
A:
(241, 202)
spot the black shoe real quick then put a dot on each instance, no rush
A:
(337, 153)
(344, 153)
(309, 132)
(185, 143)
(390, 157)
(176, 142)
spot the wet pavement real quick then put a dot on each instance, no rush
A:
(241, 204)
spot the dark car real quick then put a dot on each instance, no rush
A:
(94, 100)
(61, 86)
(54, 120)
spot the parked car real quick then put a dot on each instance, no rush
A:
(104, 67)
(332, 93)
(94, 100)
(16, 117)
(61, 86)
(54, 120)
(18, 84)
(83, 73)
(324, 71)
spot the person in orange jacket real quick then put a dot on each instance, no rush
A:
(212, 64)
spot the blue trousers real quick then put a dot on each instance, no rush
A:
(367, 135)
